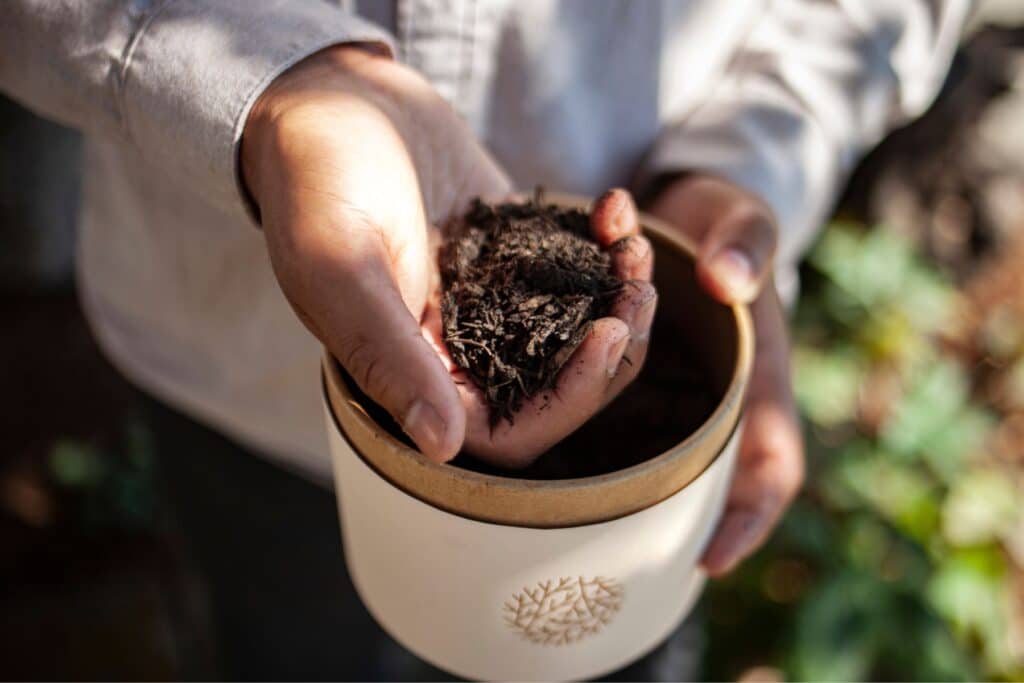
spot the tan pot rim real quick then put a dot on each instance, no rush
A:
(548, 503)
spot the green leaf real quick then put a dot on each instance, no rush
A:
(139, 445)
(936, 395)
(836, 640)
(982, 507)
(970, 591)
(869, 267)
(76, 465)
(827, 385)
(901, 494)
(926, 298)
(951, 445)
(887, 334)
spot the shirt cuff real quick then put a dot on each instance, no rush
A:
(195, 68)
(763, 142)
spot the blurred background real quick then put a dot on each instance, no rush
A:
(903, 559)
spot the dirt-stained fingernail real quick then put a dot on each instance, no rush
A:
(641, 328)
(624, 217)
(616, 350)
(735, 273)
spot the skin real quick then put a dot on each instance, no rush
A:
(736, 237)
(354, 160)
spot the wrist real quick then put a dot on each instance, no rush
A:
(294, 86)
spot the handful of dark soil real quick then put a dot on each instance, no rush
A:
(522, 285)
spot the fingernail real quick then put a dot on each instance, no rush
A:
(734, 540)
(616, 350)
(641, 328)
(425, 426)
(734, 272)
(620, 214)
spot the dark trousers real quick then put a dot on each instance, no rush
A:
(267, 546)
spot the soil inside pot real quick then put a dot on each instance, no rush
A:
(667, 402)
(523, 282)
(674, 394)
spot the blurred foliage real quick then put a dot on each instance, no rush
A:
(108, 488)
(897, 561)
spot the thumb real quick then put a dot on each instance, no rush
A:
(344, 290)
(736, 254)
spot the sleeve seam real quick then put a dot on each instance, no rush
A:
(238, 128)
(126, 61)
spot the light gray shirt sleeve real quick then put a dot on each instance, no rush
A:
(173, 78)
(814, 84)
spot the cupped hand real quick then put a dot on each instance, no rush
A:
(606, 361)
(736, 237)
(353, 160)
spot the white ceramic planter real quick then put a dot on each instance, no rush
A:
(501, 578)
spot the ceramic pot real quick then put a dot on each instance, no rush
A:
(495, 577)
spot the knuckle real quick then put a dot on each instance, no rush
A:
(362, 359)
(746, 213)
(754, 220)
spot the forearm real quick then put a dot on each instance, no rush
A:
(815, 84)
(174, 80)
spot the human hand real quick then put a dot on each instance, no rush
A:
(736, 237)
(353, 160)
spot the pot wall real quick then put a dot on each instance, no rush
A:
(491, 601)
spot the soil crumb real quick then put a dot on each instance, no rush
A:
(522, 284)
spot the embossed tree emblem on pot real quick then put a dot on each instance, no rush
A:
(564, 611)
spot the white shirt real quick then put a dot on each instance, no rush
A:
(781, 96)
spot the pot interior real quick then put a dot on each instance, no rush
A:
(649, 443)
(690, 363)
(689, 366)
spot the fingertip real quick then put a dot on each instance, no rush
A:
(605, 346)
(735, 538)
(586, 374)
(738, 251)
(636, 306)
(455, 435)
(613, 217)
(438, 431)
(729, 276)
(632, 258)
(616, 352)
(715, 569)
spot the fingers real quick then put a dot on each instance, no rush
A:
(608, 359)
(580, 391)
(736, 255)
(615, 225)
(635, 306)
(614, 217)
(341, 284)
(770, 469)
(769, 474)
(735, 229)
(633, 259)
